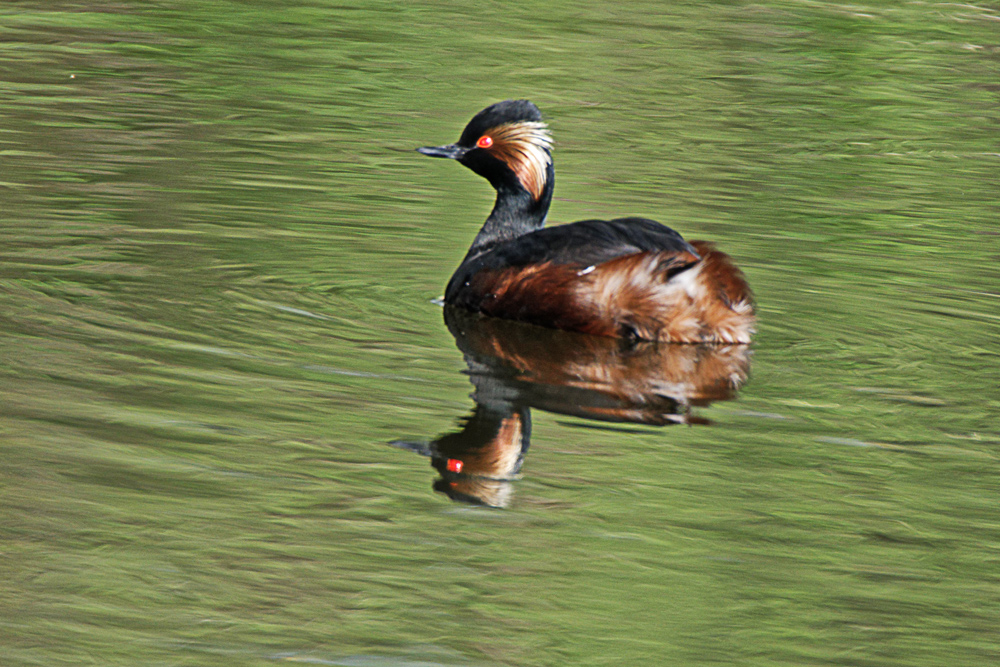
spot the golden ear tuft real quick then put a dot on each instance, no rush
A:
(524, 146)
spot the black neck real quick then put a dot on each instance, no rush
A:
(514, 214)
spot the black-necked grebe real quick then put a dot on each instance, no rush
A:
(629, 277)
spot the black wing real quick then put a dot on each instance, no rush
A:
(584, 243)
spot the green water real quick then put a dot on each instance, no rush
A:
(217, 259)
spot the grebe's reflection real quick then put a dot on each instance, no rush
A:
(515, 367)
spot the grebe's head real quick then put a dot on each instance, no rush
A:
(508, 144)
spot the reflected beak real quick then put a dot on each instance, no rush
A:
(454, 151)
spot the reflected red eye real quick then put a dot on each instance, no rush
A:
(485, 141)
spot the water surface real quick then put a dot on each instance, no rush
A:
(218, 255)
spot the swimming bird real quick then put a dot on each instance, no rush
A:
(631, 278)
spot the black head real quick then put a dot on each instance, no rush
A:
(508, 144)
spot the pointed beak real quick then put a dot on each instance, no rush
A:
(453, 151)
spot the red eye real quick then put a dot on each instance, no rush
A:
(485, 141)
